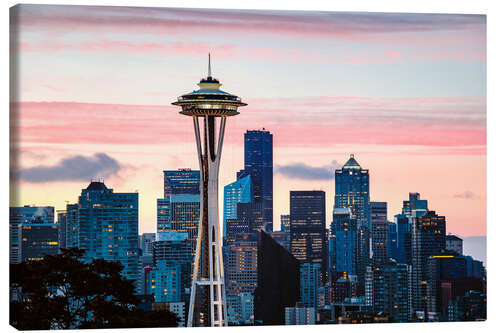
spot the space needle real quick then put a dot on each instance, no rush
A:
(207, 304)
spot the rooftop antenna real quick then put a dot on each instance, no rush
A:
(209, 67)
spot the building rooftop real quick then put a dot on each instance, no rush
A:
(351, 163)
(96, 186)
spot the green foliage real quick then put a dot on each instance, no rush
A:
(62, 292)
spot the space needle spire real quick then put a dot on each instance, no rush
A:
(209, 107)
(209, 66)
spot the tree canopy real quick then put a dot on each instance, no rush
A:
(62, 291)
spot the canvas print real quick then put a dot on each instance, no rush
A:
(175, 167)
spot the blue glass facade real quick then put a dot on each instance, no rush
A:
(179, 213)
(239, 191)
(105, 225)
(182, 181)
(259, 165)
(344, 228)
(352, 190)
(310, 277)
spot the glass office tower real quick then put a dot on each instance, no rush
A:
(307, 228)
(105, 225)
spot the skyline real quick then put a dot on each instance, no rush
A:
(340, 105)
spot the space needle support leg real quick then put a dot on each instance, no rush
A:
(200, 229)
(221, 290)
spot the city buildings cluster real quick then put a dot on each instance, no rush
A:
(355, 266)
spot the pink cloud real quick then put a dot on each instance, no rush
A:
(228, 51)
(353, 120)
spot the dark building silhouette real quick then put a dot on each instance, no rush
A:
(428, 239)
(307, 228)
(278, 281)
(446, 266)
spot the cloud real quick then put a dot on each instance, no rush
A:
(303, 171)
(465, 195)
(75, 168)
(368, 27)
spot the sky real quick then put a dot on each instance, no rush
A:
(404, 93)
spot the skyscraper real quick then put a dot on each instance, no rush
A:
(259, 165)
(388, 290)
(414, 206)
(181, 181)
(428, 239)
(105, 225)
(63, 227)
(446, 266)
(25, 214)
(278, 281)
(352, 190)
(345, 229)
(403, 236)
(179, 213)
(241, 275)
(379, 231)
(239, 191)
(310, 277)
(307, 228)
(173, 253)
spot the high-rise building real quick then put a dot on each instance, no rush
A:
(259, 165)
(388, 290)
(344, 228)
(25, 214)
(105, 225)
(307, 228)
(352, 190)
(181, 181)
(454, 243)
(414, 206)
(403, 239)
(37, 239)
(164, 282)
(310, 276)
(179, 213)
(241, 275)
(173, 253)
(278, 281)
(443, 267)
(285, 223)
(379, 232)
(239, 191)
(62, 226)
(392, 241)
(146, 243)
(428, 239)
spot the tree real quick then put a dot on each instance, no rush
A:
(61, 292)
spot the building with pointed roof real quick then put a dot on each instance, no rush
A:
(352, 190)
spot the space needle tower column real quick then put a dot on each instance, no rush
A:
(209, 107)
